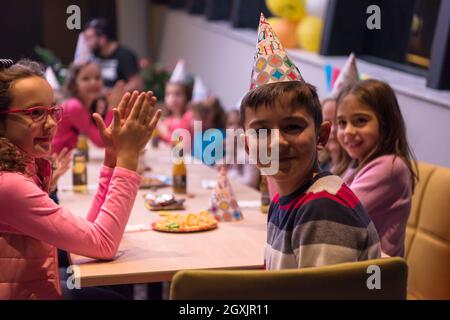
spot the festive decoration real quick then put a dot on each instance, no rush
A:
(200, 91)
(271, 63)
(347, 76)
(83, 52)
(51, 78)
(328, 69)
(223, 204)
(309, 33)
(293, 10)
(317, 8)
(285, 30)
(179, 74)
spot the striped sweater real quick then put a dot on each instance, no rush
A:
(321, 223)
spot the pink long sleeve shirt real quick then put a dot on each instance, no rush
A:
(76, 120)
(172, 123)
(384, 188)
(28, 217)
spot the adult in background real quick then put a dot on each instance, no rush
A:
(116, 61)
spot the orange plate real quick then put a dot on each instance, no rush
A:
(205, 228)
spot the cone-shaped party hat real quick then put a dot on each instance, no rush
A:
(51, 78)
(347, 76)
(272, 64)
(83, 52)
(179, 74)
(200, 91)
(223, 204)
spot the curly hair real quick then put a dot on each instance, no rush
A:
(12, 158)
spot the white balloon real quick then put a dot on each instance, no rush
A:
(317, 8)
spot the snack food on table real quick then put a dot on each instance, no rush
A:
(186, 223)
(164, 201)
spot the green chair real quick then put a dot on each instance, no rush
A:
(341, 281)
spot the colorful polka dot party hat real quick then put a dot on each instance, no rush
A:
(272, 64)
(348, 76)
(223, 204)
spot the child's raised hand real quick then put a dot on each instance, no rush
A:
(131, 136)
(61, 163)
(135, 111)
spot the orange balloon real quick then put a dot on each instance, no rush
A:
(286, 32)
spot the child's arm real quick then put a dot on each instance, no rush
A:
(28, 209)
(104, 180)
(382, 184)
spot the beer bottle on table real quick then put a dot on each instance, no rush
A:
(155, 138)
(179, 179)
(83, 146)
(265, 197)
(79, 169)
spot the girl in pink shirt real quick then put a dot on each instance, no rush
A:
(32, 226)
(84, 86)
(177, 97)
(371, 129)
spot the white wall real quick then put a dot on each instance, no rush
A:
(223, 58)
(132, 22)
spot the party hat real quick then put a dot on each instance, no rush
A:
(179, 74)
(51, 78)
(272, 63)
(83, 52)
(347, 76)
(200, 91)
(223, 204)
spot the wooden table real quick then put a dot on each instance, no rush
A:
(151, 256)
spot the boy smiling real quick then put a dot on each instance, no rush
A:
(315, 219)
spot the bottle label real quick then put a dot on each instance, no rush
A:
(79, 171)
(179, 182)
(265, 199)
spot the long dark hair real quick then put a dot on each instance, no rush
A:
(12, 158)
(211, 105)
(380, 97)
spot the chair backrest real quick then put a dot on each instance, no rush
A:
(342, 281)
(427, 241)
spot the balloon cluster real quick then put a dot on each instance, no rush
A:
(298, 23)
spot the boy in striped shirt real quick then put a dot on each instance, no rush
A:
(315, 219)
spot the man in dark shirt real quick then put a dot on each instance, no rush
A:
(116, 62)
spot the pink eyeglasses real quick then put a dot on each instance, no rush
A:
(39, 114)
